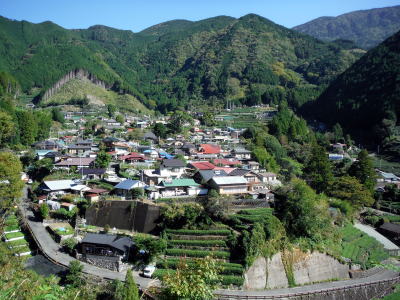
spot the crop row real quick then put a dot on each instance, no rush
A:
(223, 279)
(203, 243)
(197, 253)
(226, 268)
(221, 232)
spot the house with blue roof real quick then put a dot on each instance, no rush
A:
(125, 188)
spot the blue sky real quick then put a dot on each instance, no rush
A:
(136, 15)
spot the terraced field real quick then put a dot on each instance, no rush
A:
(14, 238)
(187, 245)
(361, 248)
(245, 218)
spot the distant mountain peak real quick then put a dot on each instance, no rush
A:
(367, 28)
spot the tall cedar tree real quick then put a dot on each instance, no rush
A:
(131, 289)
(319, 170)
(363, 170)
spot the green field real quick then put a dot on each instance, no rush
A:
(361, 248)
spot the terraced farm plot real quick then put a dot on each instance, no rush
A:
(188, 245)
(361, 248)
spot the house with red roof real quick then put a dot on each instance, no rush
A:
(201, 165)
(210, 149)
(226, 162)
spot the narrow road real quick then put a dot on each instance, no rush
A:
(383, 274)
(52, 250)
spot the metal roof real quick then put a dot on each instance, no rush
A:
(56, 185)
(127, 184)
(180, 182)
(173, 163)
(225, 180)
(117, 242)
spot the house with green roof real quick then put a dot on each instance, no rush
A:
(181, 187)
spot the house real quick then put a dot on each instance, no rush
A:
(388, 177)
(253, 165)
(94, 194)
(92, 173)
(188, 148)
(106, 245)
(55, 156)
(132, 158)
(391, 231)
(172, 168)
(210, 149)
(223, 162)
(203, 176)
(67, 206)
(181, 187)
(201, 165)
(241, 154)
(227, 185)
(152, 177)
(249, 175)
(82, 162)
(150, 136)
(269, 178)
(56, 186)
(78, 149)
(47, 145)
(124, 188)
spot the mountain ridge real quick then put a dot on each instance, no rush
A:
(367, 28)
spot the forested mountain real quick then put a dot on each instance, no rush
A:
(177, 63)
(367, 28)
(366, 98)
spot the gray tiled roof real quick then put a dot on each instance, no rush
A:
(117, 242)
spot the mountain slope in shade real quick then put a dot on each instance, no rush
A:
(367, 28)
(366, 98)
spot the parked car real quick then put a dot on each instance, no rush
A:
(148, 271)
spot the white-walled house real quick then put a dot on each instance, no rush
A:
(172, 168)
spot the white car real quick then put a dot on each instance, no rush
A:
(148, 271)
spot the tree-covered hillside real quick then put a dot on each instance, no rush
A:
(179, 63)
(366, 98)
(367, 28)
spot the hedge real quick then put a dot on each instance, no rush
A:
(199, 232)
(204, 243)
(256, 211)
(197, 253)
(11, 222)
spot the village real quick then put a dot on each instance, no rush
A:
(102, 185)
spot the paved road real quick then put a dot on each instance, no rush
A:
(383, 274)
(52, 250)
(387, 244)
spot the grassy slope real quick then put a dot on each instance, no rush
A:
(80, 88)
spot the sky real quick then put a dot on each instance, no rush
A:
(137, 15)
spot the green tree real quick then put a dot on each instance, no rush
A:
(131, 291)
(208, 119)
(195, 281)
(318, 170)
(69, 244)
(40, 169)
(363, 170)
(103, 159)
(120, 119)
(350, 189)
(10, 179)
(7, 128)
(337, 133)
(74, 276)
(265, 159)
(304, 213)
(178, 120)
(57, 115)
(44, 211)
(160, 130)
(111, 109)
(27, 127)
